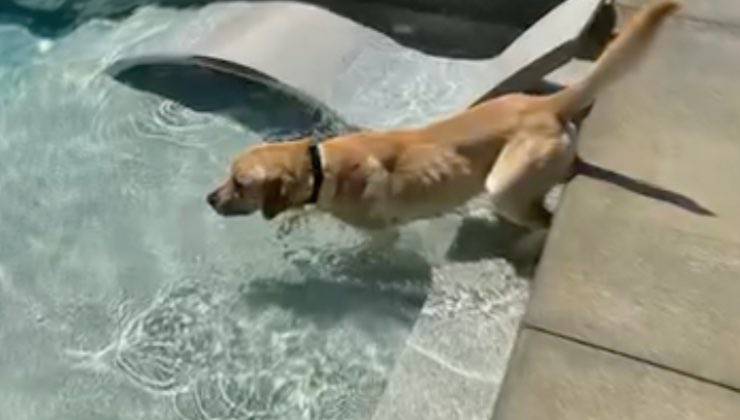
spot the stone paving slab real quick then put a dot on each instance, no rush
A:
(673, 122)
(724, 11)
(554, 379)
(650, 291)
(641, 271)
(634, 265)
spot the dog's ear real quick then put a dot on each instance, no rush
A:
(274, 199)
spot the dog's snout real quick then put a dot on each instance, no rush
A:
(213, 199)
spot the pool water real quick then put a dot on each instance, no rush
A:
(123, 296)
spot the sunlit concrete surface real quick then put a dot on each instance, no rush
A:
(634, 311)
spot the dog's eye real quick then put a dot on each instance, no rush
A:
(238, 186)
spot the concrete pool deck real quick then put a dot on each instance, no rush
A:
(635, 309)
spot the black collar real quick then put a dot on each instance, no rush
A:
(317, 171)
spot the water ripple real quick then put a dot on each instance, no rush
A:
(207, 351)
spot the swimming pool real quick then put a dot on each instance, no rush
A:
(123, 296)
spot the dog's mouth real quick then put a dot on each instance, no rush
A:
(228, 208)
(227, 212)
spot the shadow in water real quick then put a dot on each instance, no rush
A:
(453, 29)
(244, 95)
(482, 239)
(335, 286)
(640, 187)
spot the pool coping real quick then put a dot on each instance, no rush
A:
(634, 308)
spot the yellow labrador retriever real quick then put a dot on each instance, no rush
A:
(514, 148)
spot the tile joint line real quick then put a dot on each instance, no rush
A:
(527, 325)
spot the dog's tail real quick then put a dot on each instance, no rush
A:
(626, 49)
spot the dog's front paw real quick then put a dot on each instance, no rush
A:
(290, 222)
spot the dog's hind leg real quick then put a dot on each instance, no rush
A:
(527, 168)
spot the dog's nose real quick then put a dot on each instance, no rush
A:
(212, 199)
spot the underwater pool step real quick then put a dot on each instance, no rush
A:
(340, 68)
(454, 359)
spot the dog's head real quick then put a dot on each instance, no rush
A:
(271, 178)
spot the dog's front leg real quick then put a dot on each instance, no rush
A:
(292, 220)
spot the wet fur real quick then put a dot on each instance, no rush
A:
(515, 148)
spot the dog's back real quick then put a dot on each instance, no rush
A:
(516, 147)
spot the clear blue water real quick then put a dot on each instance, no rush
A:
(122, 296)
